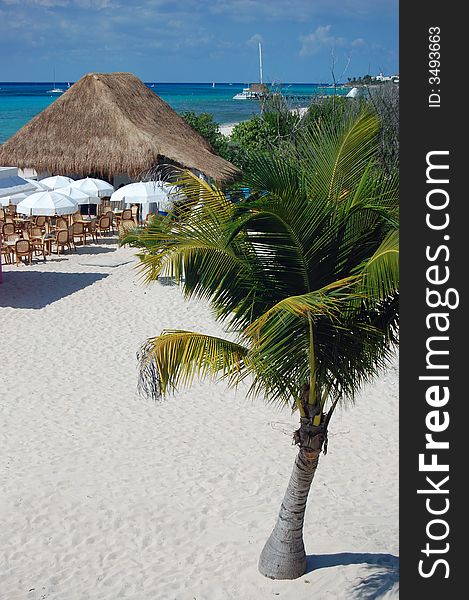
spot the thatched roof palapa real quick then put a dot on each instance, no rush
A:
(109, 124)
(258, 88)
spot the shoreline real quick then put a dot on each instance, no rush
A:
(226, 129)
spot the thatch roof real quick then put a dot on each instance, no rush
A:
(258, 88)
(108, 124)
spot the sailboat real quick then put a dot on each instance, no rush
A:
(213, 84)
(254, 92)
(55, 90)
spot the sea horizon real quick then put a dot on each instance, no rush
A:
(20, 101)
(184, 82)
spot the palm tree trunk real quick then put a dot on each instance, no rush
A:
(284, 556)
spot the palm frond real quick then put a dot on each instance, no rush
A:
(176, 357)
(381, 271)
(327, 301)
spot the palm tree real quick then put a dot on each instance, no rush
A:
(303, 274)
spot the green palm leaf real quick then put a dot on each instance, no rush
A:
(381, 270)
(175, 357)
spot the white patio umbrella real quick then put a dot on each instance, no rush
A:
(56, 182)
(95, 187)
(145, 193)
(47, 204)
(11, 183)
(38, 186)
(13, 199)
(79, 196)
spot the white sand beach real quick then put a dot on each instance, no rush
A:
(107, 496)
(227, 129)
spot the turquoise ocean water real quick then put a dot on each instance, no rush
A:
(19, 102)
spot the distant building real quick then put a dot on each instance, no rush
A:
(382, 77)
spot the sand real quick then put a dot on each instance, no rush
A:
(105, 495)
(227, 129)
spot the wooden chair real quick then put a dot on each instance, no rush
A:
(104, 206)
(71, 240)
(34, 235)
(35, 232)
(61, 223)
(8, 229)
(93, 231)
(78, 231)
(2, 214)
(23, 249)
(104, 224)
(126, 226)
(126, 214)
(61, 240)
(40, 221)
(108, 212)
(7, 252)
(77, 217)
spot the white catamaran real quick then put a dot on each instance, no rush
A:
(257, 90)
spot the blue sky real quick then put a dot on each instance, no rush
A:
(198, 40)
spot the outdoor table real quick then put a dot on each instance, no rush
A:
(86, 222)
(47, 240)
(21, 221)
(11, 243)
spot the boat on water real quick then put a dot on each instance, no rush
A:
(55, 89)
(253, 92)
(257, 90)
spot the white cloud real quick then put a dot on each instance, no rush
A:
(319, 39)
(99, 4)
(296, 10)
(43, 3)
(358, 42)
(85, 4)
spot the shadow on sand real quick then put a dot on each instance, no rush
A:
(382, 576)
(36, 289)
(82, 250)
(167, 281)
